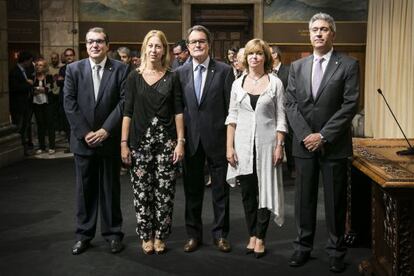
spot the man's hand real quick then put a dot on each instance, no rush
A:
(95, 138)
(313, 141)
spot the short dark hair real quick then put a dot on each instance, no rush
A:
(182, 44)
(277, 51)
(70, 49)
(24, 56)
(200, 28)
(98, 30)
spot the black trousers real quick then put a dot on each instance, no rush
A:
(257, 220)
(44, 119)
(98, 186)
(194, 193)
(334, 178)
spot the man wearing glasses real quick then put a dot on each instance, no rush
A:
(181, 54)
(93, 101)
(206, 86)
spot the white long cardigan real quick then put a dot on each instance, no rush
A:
(258, 127)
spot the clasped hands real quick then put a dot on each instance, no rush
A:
(313, 141)
(95, 138)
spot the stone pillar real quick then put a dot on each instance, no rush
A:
(59, 26)
(11, 149)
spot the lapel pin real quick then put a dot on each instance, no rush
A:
(336, 62)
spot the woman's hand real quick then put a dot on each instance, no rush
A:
(232, 157)
(178, 153)
(125, 154)
(278, 155)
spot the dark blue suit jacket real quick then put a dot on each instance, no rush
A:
(205, 122)
(86, 114)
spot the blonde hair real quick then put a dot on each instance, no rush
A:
(258, 45)
(165, 60)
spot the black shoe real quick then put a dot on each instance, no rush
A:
(116, 246)
(258, 255)
(80, 247)
(299, 258)
(336, 264)
(249, 251)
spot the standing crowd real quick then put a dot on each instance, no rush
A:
(238, 119)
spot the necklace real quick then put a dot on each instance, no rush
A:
(256, 81)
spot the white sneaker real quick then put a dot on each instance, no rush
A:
(39, 151)
(52, 151)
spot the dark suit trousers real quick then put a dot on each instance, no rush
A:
(194, 193)
(98, 185)
(334, 178)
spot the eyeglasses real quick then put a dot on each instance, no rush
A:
(200, 41)
(322, 30)
(98, 41)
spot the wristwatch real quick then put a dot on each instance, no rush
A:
(181, 140)
(323, 139)
(281, 143)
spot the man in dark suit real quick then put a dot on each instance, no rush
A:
(322, 99)
(181, 54)
(206, 86)
(93, 101)
(282, 72)
(21, 96)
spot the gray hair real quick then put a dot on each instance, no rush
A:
(124, 50)
(325, 17)
(200, 28)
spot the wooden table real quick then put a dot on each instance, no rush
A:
(391, 178)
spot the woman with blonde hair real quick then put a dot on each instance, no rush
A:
(153, 140)
(256, 126)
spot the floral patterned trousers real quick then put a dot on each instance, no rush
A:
(153, 181)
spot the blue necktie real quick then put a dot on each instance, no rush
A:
(198, 79)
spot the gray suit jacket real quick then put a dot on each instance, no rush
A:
(86, 114)
(205, 122)
(331, 112)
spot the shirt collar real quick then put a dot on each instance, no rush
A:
(205, 63)
(278, 67)
(102, 63)
(326, 56)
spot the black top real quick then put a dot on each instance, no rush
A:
(253, 100)
(143, 102)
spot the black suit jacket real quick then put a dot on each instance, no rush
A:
(331, 112)
(86, 114)
(283, 74)
(205, 122)
(20, 90)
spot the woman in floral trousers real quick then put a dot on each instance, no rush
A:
(152, 140)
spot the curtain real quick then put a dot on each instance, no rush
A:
(390, 67)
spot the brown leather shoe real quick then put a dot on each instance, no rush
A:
(223, 245)
(191, 245)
